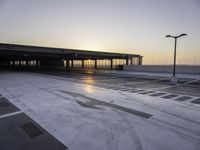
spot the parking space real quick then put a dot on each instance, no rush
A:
(20, 132)
(182, 89)
(6, 107)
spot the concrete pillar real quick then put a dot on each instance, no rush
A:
(95, 64)
(140, 60)
(82, 63)
(26, 63)
(36, 63)
(126, 61)
(67, 65)
(131, 61)
(72, 63)
(111, 63)
(20, 64)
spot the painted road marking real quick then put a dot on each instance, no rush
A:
(10, 114)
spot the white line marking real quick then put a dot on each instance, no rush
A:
(144, 82)
(11, 114)
(165, 87)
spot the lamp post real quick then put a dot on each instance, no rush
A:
(173, 79)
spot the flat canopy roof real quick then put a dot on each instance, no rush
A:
(11, 51)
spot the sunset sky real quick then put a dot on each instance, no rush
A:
(127, 26)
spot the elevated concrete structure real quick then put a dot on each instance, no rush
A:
(181, 69)
(12, 55)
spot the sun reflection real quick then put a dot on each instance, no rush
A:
(89, 80)
(90, 71)
(89, 88)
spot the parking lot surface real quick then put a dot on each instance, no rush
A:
(77, 111)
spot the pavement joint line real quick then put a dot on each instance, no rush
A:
(11, 114)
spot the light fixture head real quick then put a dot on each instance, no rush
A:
(168, 36)
(182, 35)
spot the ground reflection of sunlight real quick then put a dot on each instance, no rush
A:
(89, 88)
(90, 71)
(89, 80)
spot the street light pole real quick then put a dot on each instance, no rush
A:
(174, 68)
(173, 79)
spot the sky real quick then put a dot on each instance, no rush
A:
(124, 26)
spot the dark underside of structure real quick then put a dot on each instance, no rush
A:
(14, 56)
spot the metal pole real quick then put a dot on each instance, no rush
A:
(174, 69)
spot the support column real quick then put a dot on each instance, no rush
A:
(36, 63)
(13, 63)
(82, 63)
(111, 63)
(20, 64)
(72, 63)
(67, 65)
(95, 64)
(126, 61)
(131, 61)
(140, 60)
